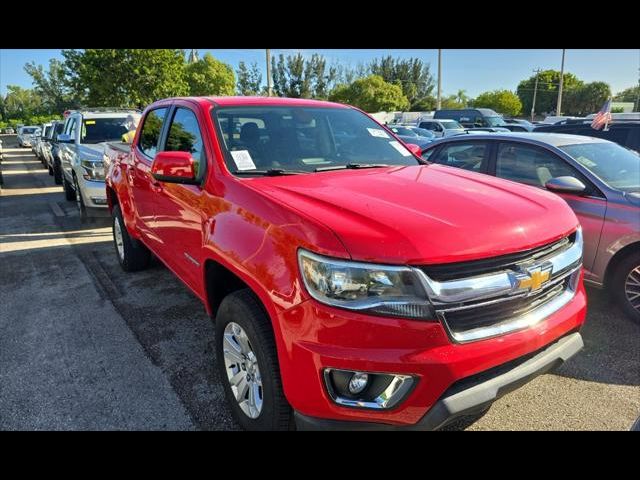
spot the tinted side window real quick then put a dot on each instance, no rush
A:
(530, 165)
(150, 134)
(184, 136)
(71, 128)
(467, 155)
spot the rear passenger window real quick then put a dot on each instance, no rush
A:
(467, 155)
(150, 134)
(184, 136)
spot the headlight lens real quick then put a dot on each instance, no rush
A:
(94, 170)
(370, 288)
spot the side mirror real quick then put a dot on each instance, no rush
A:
(565, 185)
(65, 138)
(415, 149)
(174, 167)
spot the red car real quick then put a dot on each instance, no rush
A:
(352, 284)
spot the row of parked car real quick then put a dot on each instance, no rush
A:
(358, 278)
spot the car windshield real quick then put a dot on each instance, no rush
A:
(28, 131)
(304, 139)
(451, 125)
(614, 165)
(403, 131)
(495, 121)
(422, 132)
(98, 130)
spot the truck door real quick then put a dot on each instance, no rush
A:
(178, 216)
(144, 188)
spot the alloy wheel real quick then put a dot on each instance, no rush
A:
(632, 288)
(243, 371)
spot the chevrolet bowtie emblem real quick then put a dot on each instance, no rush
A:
(534, 279)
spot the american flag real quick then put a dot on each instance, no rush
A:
(603, 117)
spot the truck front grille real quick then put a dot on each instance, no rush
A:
(491, 297)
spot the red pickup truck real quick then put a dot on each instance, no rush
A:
(353, 285)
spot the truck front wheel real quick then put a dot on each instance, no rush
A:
(248, 364)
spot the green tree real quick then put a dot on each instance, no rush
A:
(125, 77)
(249, 79)
(52, 87)
(425, 104)
(209, 76)
(585, 99)
(628, 95)
(502, 101)
(296, 77)
(412, 74)
(371, 94)
(22, 103)
(451, 102)
(547, 96)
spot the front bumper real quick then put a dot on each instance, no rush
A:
(316, 337)
(470, 396)
(94, 193)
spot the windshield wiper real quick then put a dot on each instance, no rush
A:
(353, 166)
(271, 172)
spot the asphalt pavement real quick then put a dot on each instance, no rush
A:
(85, 346)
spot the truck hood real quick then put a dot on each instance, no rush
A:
(424, 214)
(92, 151)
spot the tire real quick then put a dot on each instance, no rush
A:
(49, 168)
(57, 173)
(241, 308)
(69, 194)
(82, 209)
(132, 254)
(625, 283)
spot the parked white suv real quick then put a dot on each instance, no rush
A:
(440, 128)
(82, 155)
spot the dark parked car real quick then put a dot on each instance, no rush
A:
(53, 159)
(625, 133)
(597, 178)
(519, 125)
(472, 117)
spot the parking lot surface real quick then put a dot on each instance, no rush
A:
(85, 346)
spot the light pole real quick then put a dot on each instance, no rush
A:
(439, 103)
(559, 108)
(269, 85)
(535, 92)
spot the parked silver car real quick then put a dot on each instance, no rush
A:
(599, 179)
(25, 135)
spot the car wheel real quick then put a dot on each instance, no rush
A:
(50, 169)
(69, 194)
(625, 285)
(57, 173)
(248, 364)
(132, 254)
(82, 209)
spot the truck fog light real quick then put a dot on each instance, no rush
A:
(377, 391)
(358, 382)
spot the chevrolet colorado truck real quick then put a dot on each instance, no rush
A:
(353, 285)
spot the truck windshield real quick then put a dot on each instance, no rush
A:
(98, 130)
(304, 139)
(451, 125)
(614, 165)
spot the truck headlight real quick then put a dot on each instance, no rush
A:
(368, 288)
(93, 170)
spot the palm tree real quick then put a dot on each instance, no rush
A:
(462, 98)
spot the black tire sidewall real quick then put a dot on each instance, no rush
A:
(617, 284)
(237, 308)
